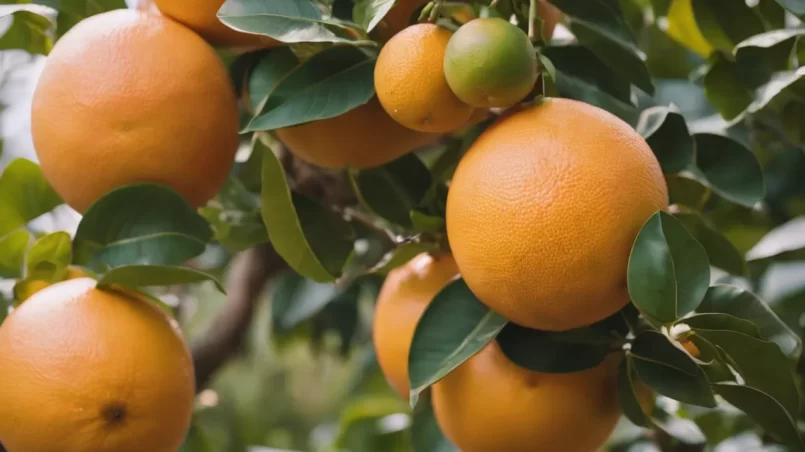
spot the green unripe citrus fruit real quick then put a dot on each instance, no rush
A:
(490, 63)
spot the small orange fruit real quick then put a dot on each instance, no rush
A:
(202, 17)
(690, 347)
(410, 81)
(90, 370)
(491, 404)
(131, 97)
(399, 17)
(406, 293)
(543, 210)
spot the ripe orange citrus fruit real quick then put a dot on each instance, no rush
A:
(491, 404)
(490, 63)
(363, 137)
(127, 97)
(400, 16)
(202, 17)
(410, 82)
(89, 370)
(543, 210)
(406, 293)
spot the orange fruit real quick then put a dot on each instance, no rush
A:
(399, 17)
(91, 370)
(363, 137)
(550, 16)
(403, 298)
(543, 210)
(410, 81)
(490, 63)
(26, 288)
(127, 97)
(202, 17)
(690, 347)
(491, 404)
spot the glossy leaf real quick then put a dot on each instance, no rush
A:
(395, 188)
(329, 84)
(314, 242)
(720, 251)
(796, 7)
(781, 242)
(683, 28)
(49, 256)
(725, 23)
(668, 272)
(670, 371)
(140, 224)
(27, 31)
(687, 191)
(12, 253)
(576, 61)
(454, 327)
(289, 21)
(769, 39)
(402, 254)
(667, 133)
(730, 169)
(565, 351)
(24, 195)
(234, 229)
(369, 13)
(296, 299)
(741, 303)
(142, 276)
(628, 397)
(778, 83)
(765, 411)
(267, 74)
(725, 89)
(426, 435)
(761, 363)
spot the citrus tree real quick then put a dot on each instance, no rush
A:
(542, 226)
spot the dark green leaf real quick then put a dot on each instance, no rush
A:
(720, 251)
(778, 83)
(12, 253)
(236, 230)
(426, 435)
(769, 38)
(329, 84)
(141, 276)
(730, 169)
(395, 188)
(740, 303)
(27, 31)
(576, 61)
(289, 21)
(313, 241)
(368, 13)
(786, 240)
(764, 410)
(670, 371)
(667, 133)
(401, 255)
(575, 88)
(600, 26)
(427, 223)
(296, 299)
(797, 7)
(455, 326)
(761, 363)
(715, 362)
(24, 195)
(628, 397)
(687, 191)
(668, 271)
(725, 23)
(725, 89)
(267, 73)
(140, 224)
(565, 351)
(49, 256)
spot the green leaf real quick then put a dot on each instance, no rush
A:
(369, 13)
(581, 63)
(627, 396)
(796, 7)
(427, 223)
(564, 351)
(668, 272)
(267, 73)
(329, 84)
(140, 276)
(402, 254)
(725, 23)
(687, 191)
(769, 39)
(394, 189)
(600, 26)
(24, 195)
(313, 241)
(28, 31)
(49, 256)
(764, 410)
(12, 253)
(426, 435)
(670, 371)
(725, 88)
(720, 251)
(740, 303)
(289, 21)
(454, 327)
(667, 133)
(783, 242)
(730, 169)
(140, 224)
(778, 83)
(296, 299)
(762, 364)
(236, 230)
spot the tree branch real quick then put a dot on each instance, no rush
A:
(248, 277)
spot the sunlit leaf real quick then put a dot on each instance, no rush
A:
(24, 195)
(12, 253)
(49, 256)
(369, 13)
(142, 276)
(26, 30)
(725, 23)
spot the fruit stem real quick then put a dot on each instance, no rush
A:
(437, 9)
(532, 20)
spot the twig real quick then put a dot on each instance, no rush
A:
(532, 20)
(248, 277)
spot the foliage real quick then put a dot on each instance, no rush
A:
(716, 87)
